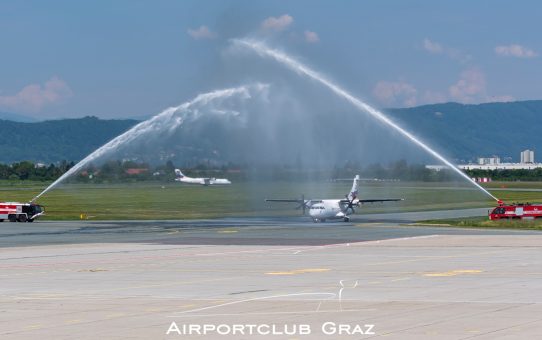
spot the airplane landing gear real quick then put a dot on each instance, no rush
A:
(347, 219)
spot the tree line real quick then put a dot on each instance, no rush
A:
(130, 171)
(35, 172)
(508, 175)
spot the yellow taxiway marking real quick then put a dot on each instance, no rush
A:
(153, 309)
(73, 321)
(187, 306)
(453, 273)
(368, 224)
(115, 315)
(227, 231)
(300, 271)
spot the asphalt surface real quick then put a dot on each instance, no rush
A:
(134, 279)
(255, 231)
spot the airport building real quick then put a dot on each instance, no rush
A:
(527, 162)
(489, 161)
(494, 163)
(527, 156)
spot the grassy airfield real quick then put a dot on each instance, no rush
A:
(152, 200)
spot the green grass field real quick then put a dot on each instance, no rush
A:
(177, 201)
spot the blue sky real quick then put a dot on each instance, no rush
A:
(117, 59)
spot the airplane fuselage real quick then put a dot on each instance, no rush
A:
(327, 210)
(203, 181)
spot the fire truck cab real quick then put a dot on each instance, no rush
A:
(524, 211)
(20, 212)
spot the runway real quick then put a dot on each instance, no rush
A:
(226, 231)
(133, 279)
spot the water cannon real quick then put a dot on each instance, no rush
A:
(500, 202)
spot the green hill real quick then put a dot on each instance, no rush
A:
(469, 131)
(461, 132)
(56, 140)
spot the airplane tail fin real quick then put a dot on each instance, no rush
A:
(354, 191)
(178, 173)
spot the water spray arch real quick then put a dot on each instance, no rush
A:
(265, 51)
(167, 120)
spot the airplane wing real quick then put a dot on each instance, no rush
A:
(279, 200)
(374, 200)
(300, 201)
(379, 200)
(293, 201)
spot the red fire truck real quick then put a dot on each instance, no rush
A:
(524, 211)
(20, 212)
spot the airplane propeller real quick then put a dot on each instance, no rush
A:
(350, 205)
(303, 204)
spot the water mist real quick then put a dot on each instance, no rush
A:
(265, 51)
(166, 121)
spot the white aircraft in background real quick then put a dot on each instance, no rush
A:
(179, 177)
(321, 210)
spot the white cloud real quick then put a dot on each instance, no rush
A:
(393, 93)
(432, 47)
(470, 88)
(452, 53)
(277, 23)
(515, 50)
(33, 97)
(311, 37)
(203, 32)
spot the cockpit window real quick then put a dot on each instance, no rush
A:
(499, 210)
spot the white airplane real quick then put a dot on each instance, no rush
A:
(321, 210)
(179, 177)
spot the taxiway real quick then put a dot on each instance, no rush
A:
(132, 279)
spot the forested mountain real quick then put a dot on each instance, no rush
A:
(469, 131)
(56, 140)
(463, 132)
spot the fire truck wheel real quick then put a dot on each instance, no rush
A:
(12, 218)
(22, 218)
(1, 220)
